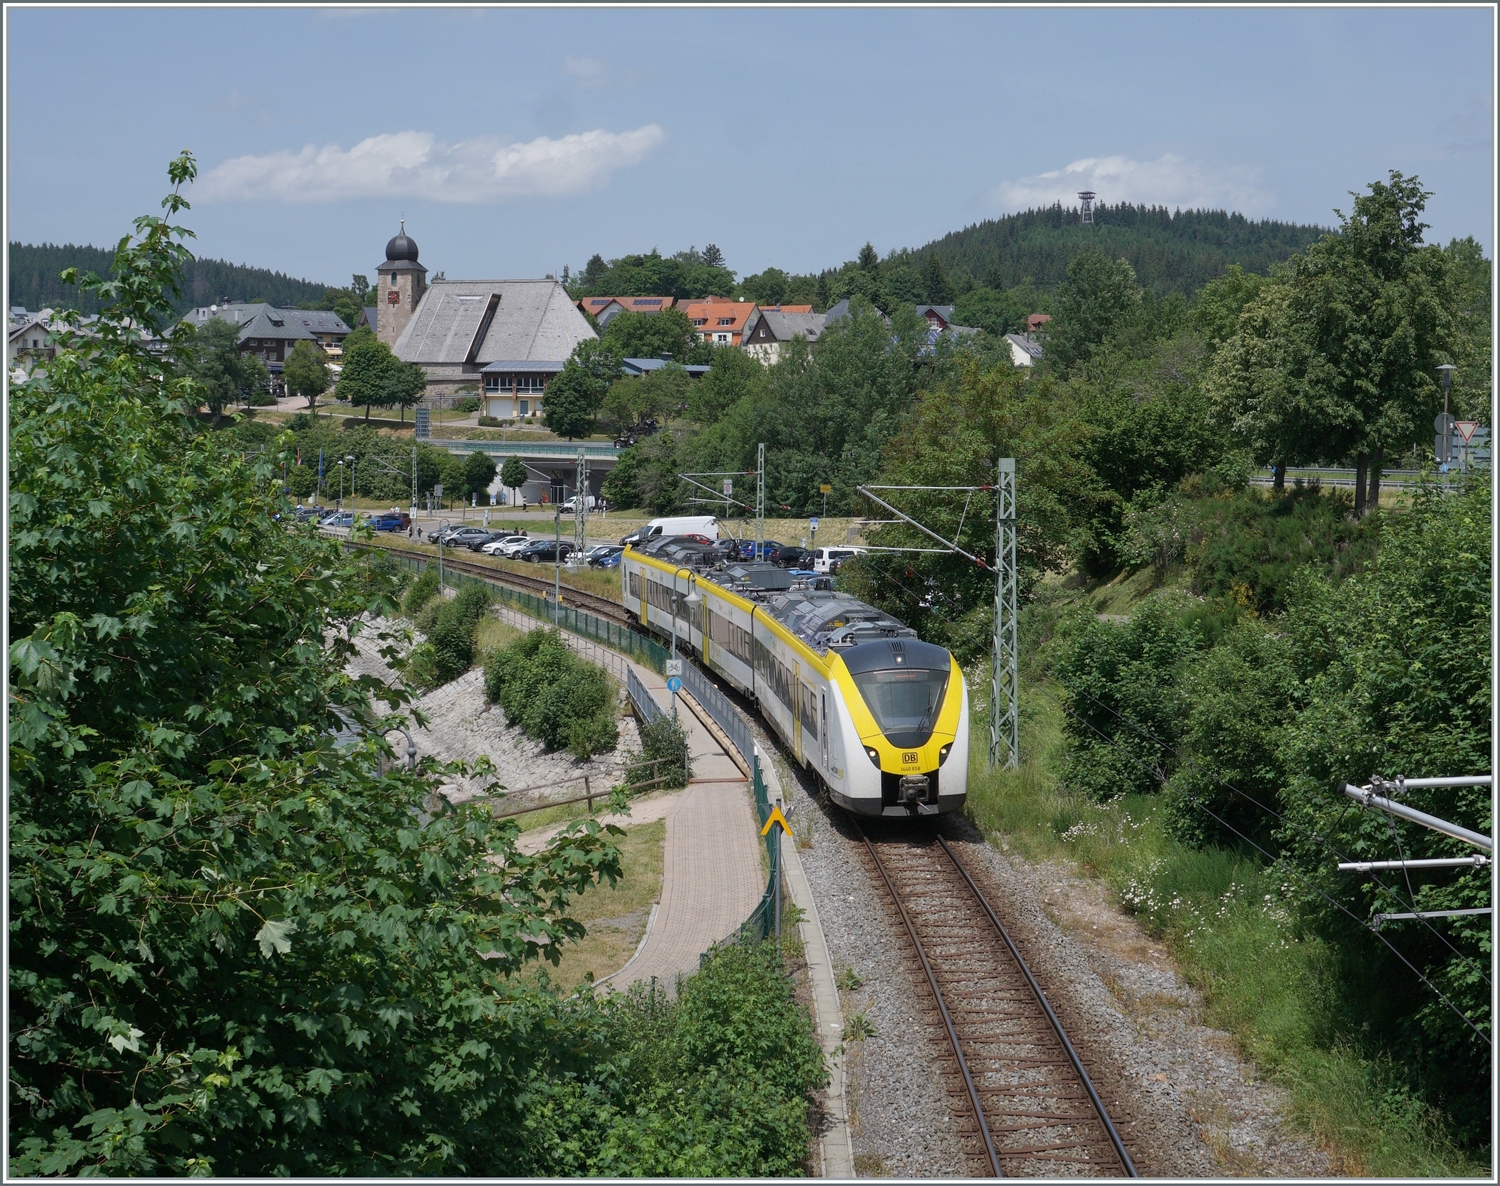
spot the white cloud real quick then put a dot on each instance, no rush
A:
(1167, 181)
(418, 165)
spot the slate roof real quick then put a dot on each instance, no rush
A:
(370, 315)
(634, 367)
(267, 321)
(1021, 342)
(484, 321)
(841, 310)
(784, 326)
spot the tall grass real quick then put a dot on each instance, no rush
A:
(1223, 917)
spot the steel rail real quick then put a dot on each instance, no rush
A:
(963, 1065)
(501, 576)
(1083, 1075)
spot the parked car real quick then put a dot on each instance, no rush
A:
(747, 548)
(600, 552)
(304, 514)
(462, 537)
(570, 507)
(489, 537)
(824, 559)
(391, 521)
(611, 561)
(504, 544)
(548, 550)
(791, 556)
(337, 519)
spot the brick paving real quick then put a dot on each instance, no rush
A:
(712, 876)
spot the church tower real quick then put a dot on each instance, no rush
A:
(402, 281)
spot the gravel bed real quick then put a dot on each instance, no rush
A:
(1185, 1103)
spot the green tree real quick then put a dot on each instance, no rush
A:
(513, 475)
(305, 372)
(869, 258)
(479, 472)
(1216, 311)
(1099, 299)
(405, 384)
(997, 312)
(935, 280)
(369, 377)
(571, 402)
(223, 373)
(766, 288)
(733, 376)
(650, 335)
(656, 395)
(234, 948)
(1341, 360)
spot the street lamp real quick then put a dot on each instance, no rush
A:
(340, 464)
(442, 527)
(350, 459)
(411, 746)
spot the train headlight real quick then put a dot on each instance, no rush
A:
(943, 753)
(873, 755)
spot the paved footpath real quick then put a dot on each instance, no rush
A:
(711, 870)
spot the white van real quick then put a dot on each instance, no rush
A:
(704, 525)
(590, 503)
(823, 557)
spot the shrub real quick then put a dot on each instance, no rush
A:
(453, 630)
(665, 739)
(714, 1084)
(422, 590)
(301, 480)
(490, 422)
(469, 403)
(1252, 547)
(556, 697)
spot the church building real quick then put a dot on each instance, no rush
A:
(503, 340)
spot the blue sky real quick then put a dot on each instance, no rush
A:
(519, 140)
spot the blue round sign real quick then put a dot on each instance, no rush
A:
(674, 684)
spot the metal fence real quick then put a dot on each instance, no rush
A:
(729, 718)
(575, 621)
(640, 696)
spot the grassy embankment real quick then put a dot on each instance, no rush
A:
(615, 916)
(1220, 915)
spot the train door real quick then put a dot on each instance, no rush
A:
(823, 727)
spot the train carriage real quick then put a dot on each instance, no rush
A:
(881, 717)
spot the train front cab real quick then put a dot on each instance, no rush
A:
(905, 708)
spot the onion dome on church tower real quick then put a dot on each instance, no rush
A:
(402, 248)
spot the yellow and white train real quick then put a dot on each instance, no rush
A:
(880, 716)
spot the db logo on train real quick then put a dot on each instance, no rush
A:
(909, 759)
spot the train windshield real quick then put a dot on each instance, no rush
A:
(903, 700)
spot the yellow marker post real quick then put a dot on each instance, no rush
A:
(776, 818)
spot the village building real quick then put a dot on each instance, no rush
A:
(270, 333)
(771, 329)
(605, 309)
(502, 340)
(718, 319)
(1025, 350)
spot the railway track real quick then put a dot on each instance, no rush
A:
(1030, 1108)
(540, 586)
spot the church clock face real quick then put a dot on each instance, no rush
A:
(393, 297)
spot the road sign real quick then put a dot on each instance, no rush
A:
(813, 522)
(1465, 429)
(674, 684)
(674, 666)
(776, 818)
(728, 487)
(437, 491)
(824, 488)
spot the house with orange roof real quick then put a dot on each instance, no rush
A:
(605, 309)
(719, 320)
